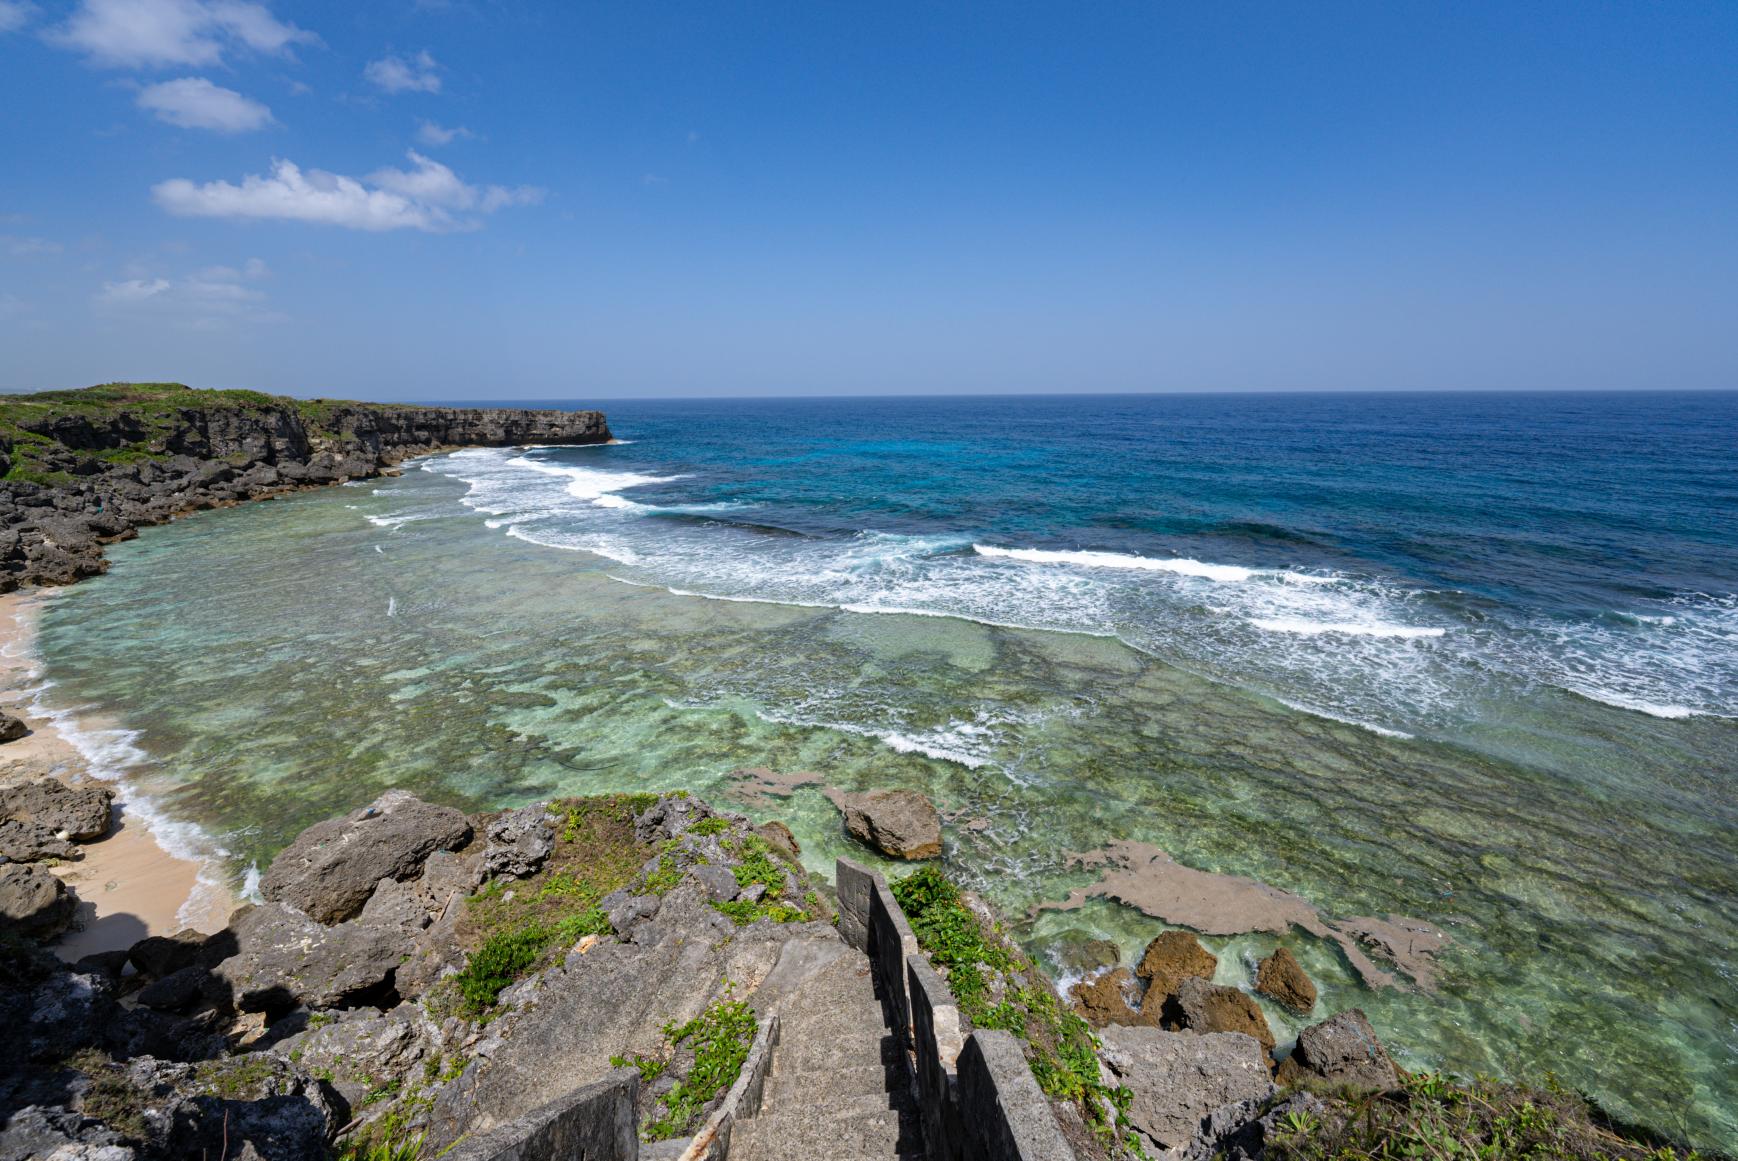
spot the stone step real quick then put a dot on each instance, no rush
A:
(820, 1131)
(847, 1081)
(842, 1104)
(852, 1050)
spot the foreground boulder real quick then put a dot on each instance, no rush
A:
(33, 901)
(1172, 958)
(1342, 1049)
(31, 842)
(285, 960)
(332, 868)
(254, 1106)
(900, 823)
(1179, 1080)
(1281, 977)
(80, 812)
(11, 728)
(1198, 1006)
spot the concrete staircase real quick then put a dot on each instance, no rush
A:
(838, 1088)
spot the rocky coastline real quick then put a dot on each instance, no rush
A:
(81, 469)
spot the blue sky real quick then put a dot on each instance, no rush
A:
(470, 199)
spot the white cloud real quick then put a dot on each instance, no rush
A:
(15, 14)
(156, 33)
(429, 133)
(398, 74)
(196, 103)
(21, 247)
(429, 197)
(208, 299)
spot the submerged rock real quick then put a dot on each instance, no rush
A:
(1199, 1006)
(1179, 1081)
(332, 868)
(900, 823)
(1342, 1049)
(1172, 958)
(1283, 978)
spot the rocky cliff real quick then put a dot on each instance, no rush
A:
(82, 468)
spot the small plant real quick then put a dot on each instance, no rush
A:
(715, 825)
(650, 1068)
(719, 1038)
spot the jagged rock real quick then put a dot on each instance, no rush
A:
(1342, 1049)
(362, 1048)
(1240, 1132)
(175, 992)
(284, 960)
(1103, 1000)
(1199, 1006)
(331, 868)
(39, 1131)
(79, 812)
(720, 883)
(109, 964)
(33, 900)
(900, 823)
(1283, 978)
(1172, 958)
(31, 842)
(625, 910)
(518, 842)
(779, 836)
(1180, 1080)
(12, 728)
(82, 1152)
(669, 817)
(255, 1106)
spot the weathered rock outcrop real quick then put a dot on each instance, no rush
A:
(900, 823)
(1179, 1080)
(284, 960)
(1172, 958)
(34, 901)
(332, 868)
(1283, 978)
(1342, 1049)
(80, 813)
(1199, 1006)
(85, 468)
(518, 842)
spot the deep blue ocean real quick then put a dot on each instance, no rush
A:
(1462, 661)
(1399, 560)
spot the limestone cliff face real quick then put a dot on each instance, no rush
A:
(86, 467)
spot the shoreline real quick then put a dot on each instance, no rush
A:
(129, 883)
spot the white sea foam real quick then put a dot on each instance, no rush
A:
(397, 520)
(961, 743)
(392, 606)
(1183, 566)
(1349, 628)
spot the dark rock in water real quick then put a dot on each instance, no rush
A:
(1103, 1001)
(82, 812)
(900, 823)
(1342, 1049)
(1283, 978)
(1079, 954)
(1179, 1081)
(1172, 958)
(11, 728)
(285, 960)
(1199, 1006)
(779, 835)
(518, 842)
(33, 901)
(31, 842)
(332, 868)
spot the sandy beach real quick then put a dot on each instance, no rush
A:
(128, 885)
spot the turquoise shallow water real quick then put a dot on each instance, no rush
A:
(1458, 618)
